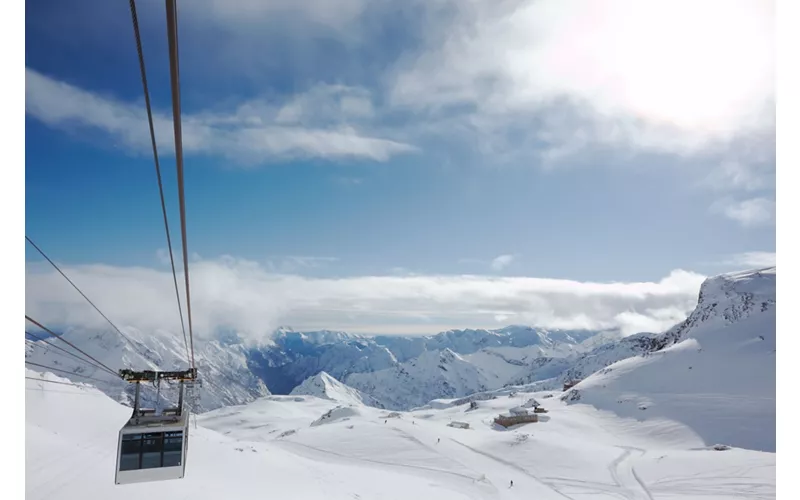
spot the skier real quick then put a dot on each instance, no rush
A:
(437, 440)
(512, 483)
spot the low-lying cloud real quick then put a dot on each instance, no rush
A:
(235, 294)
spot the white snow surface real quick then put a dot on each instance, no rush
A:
(271, 448)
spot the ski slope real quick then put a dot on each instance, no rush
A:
(281, 447)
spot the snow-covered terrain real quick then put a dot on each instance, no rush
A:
(718, 374)
(314, 448)
(689, 413)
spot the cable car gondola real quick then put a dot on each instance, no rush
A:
(152, 446)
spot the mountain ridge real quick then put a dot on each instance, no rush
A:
(387, 369)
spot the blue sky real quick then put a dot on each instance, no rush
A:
(350, 139)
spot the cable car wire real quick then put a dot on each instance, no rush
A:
(129, 474)
(143, 72)
(67, 372)
(84, 296)
(60, 355)
(59, 337)
(172, 38)
(88, 362)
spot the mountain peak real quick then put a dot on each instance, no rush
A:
(447, 355)
(324, 386)
(733, 296)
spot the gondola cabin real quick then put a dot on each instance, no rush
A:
(152, 449)
(152, 445)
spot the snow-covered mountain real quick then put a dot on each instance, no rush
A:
(323, 386)
(722, 300)
(235, 370)
(447, 374)
(399, 372)
(548, 341)
(552, 373)
(715, 372)
(226, 377)
(292, 357)
(725, 299)
(433, 374)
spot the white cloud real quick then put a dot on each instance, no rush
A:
(235, 293)
(327, 103)
(752, 212)
(650, 320)
(752, 260)
(255, 133)
(656, 75)
(501, 262)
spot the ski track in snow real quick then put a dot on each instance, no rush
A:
(466, 480)
(380, 462)
(511, 465)
(625, 477)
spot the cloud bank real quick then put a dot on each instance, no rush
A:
(231, 293)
